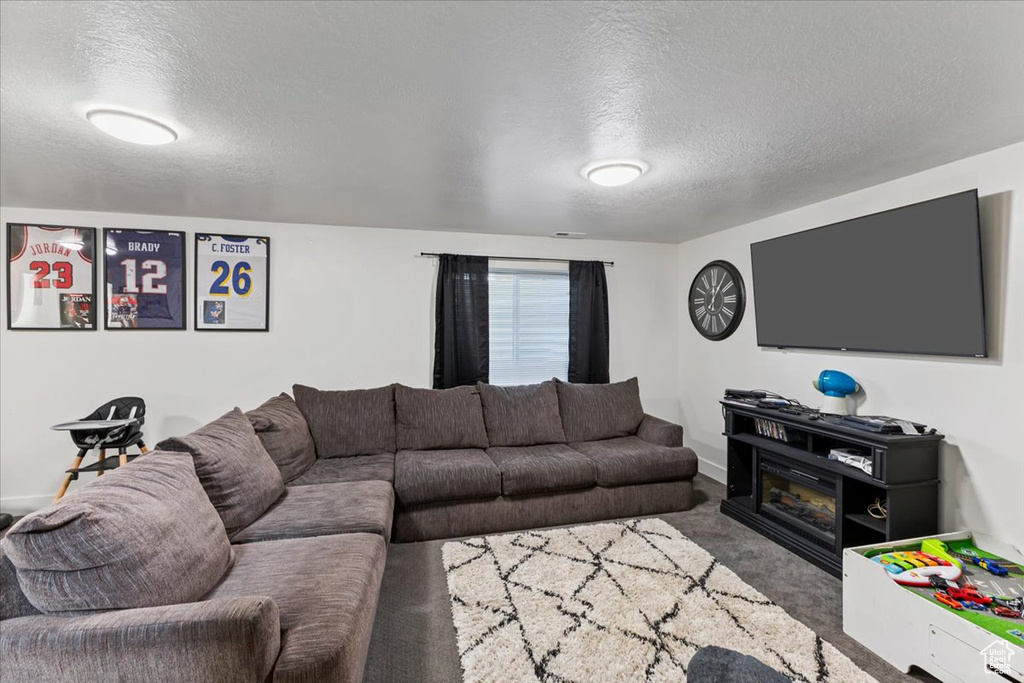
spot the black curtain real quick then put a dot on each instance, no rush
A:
(588, 322)
(461, 349)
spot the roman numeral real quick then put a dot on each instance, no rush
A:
(704, 279)
(698, 301)
(731, 299)
(705, 321)
(727, 287)
(714, 325)
(727, 311)
(721, 320)
(701, 312)
(714, 277)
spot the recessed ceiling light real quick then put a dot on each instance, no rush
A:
(614, 172)
(131, 127)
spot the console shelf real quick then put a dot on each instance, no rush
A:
(791, 492)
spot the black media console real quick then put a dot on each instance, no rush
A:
(782, 484)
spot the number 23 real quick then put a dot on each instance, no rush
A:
(42, 269)
(241, 281)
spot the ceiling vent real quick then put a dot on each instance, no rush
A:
(569, 235)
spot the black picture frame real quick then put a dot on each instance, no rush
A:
(196, 312)
(183, 282)
(88, 247)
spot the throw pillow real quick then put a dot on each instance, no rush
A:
(591, 412)
(430, 419)
(235, 469)
(355, 422)
(524, 415)
(283, 431)
(140, 536)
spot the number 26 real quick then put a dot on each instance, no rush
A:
(241, 281)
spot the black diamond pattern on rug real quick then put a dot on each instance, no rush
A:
(619, 601)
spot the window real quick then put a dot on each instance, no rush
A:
(529, 325)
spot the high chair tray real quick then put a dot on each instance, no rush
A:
(91, 424)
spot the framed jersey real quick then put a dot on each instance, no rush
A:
(232, 283)
(51, 279)
(144, 275)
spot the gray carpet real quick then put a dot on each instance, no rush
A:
(414, 637)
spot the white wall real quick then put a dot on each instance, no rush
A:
(350, 307)
(977, 404)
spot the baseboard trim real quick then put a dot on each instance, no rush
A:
(712, 469)
(22, 505)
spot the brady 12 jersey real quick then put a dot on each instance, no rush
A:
(145, 276)
(51, 277)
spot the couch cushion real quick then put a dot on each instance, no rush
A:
(283, 431)
(13, 601)
(599, 411)
(436, 476)
(305, 511)
(539, 469)
(380, 467)
(326, 590)
(522, 415)
(234, 468)
(630, 460)
(139, 536)
(439, 418)
(355, 422)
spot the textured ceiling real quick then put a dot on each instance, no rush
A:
(478, 116)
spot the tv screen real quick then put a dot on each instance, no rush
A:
(907, 280)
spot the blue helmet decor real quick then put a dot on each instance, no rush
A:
(836, 386)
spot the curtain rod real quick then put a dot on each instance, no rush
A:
(524, 258)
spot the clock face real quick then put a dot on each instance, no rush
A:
(716, 300)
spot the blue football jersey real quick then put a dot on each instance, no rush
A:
(145, 275)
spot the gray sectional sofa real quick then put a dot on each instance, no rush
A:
(482, 459)
(260, 556)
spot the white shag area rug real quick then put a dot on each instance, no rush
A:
(616, 602)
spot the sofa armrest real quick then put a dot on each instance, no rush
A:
(661, 432)
(227, 639)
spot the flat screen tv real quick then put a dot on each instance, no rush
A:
(908, 280)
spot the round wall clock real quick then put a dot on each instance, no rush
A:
(717, 299)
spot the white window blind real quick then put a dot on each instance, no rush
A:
(529, 325)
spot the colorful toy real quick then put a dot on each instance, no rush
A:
(989, 565)
(912, 626)
(934, 546)
(915, 568)
(1013, 603)
(1001, 611)
(974, 605)
(946, 600)
(968, 593)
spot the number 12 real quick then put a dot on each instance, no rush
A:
(131, 285)
(241, 281)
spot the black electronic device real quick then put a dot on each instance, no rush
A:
(907, 280)
(883, 424)
(744, 393)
